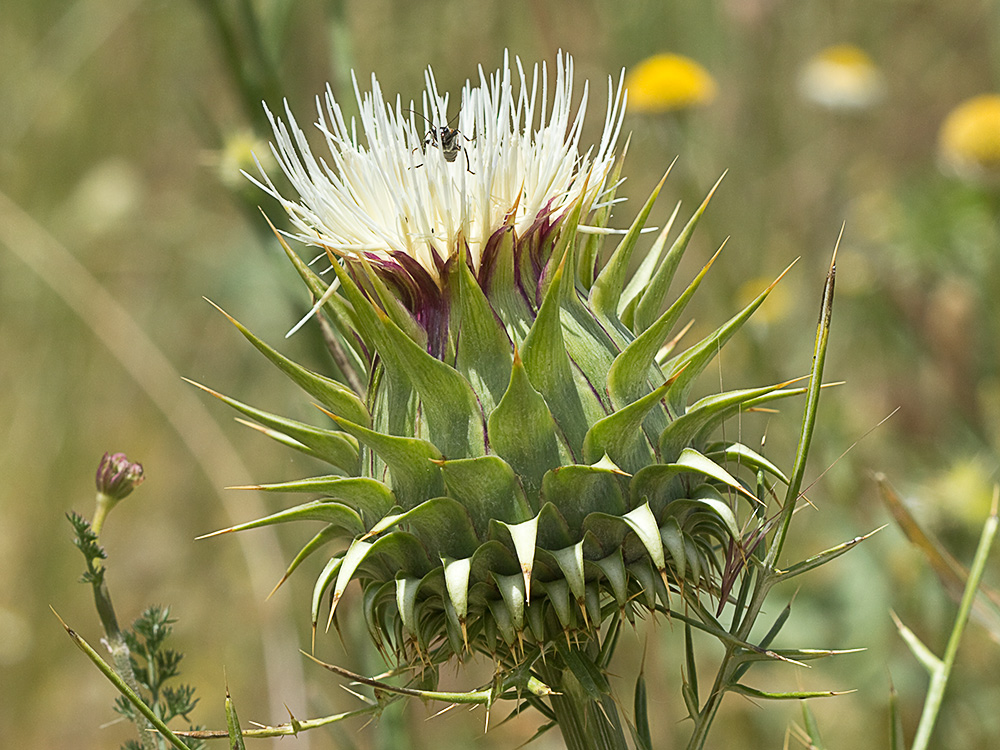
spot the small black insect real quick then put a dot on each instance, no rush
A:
(446, 138)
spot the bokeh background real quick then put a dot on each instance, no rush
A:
(122, 128)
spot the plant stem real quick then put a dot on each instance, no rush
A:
(942, 670)
(768, 574)
(120, 654)
(587, 724)
(707, 714)
(808, 418)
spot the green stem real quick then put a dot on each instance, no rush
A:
(808, 418)
(941, 672)
(587, 724)
(768, 575)
(105, 609)
(122, 658)
(120, 654)
(104, 505)
(707, 714)
(291, 728)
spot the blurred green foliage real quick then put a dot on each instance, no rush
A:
(113, 119)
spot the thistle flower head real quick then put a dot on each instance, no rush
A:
(397, 196)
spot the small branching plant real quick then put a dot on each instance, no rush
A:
(142, 663)
(154, 665)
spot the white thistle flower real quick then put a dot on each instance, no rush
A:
(392, 195)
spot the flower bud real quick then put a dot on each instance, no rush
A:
(117, 476)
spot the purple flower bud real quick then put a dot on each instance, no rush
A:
(117, 476)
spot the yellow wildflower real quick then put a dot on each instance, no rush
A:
(668, 82)
(969, 141)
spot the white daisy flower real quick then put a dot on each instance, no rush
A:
(842, 77)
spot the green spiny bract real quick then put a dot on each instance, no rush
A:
(524, 463)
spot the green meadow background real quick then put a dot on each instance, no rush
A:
(119, 213)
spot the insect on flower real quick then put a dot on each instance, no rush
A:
(446, 138)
